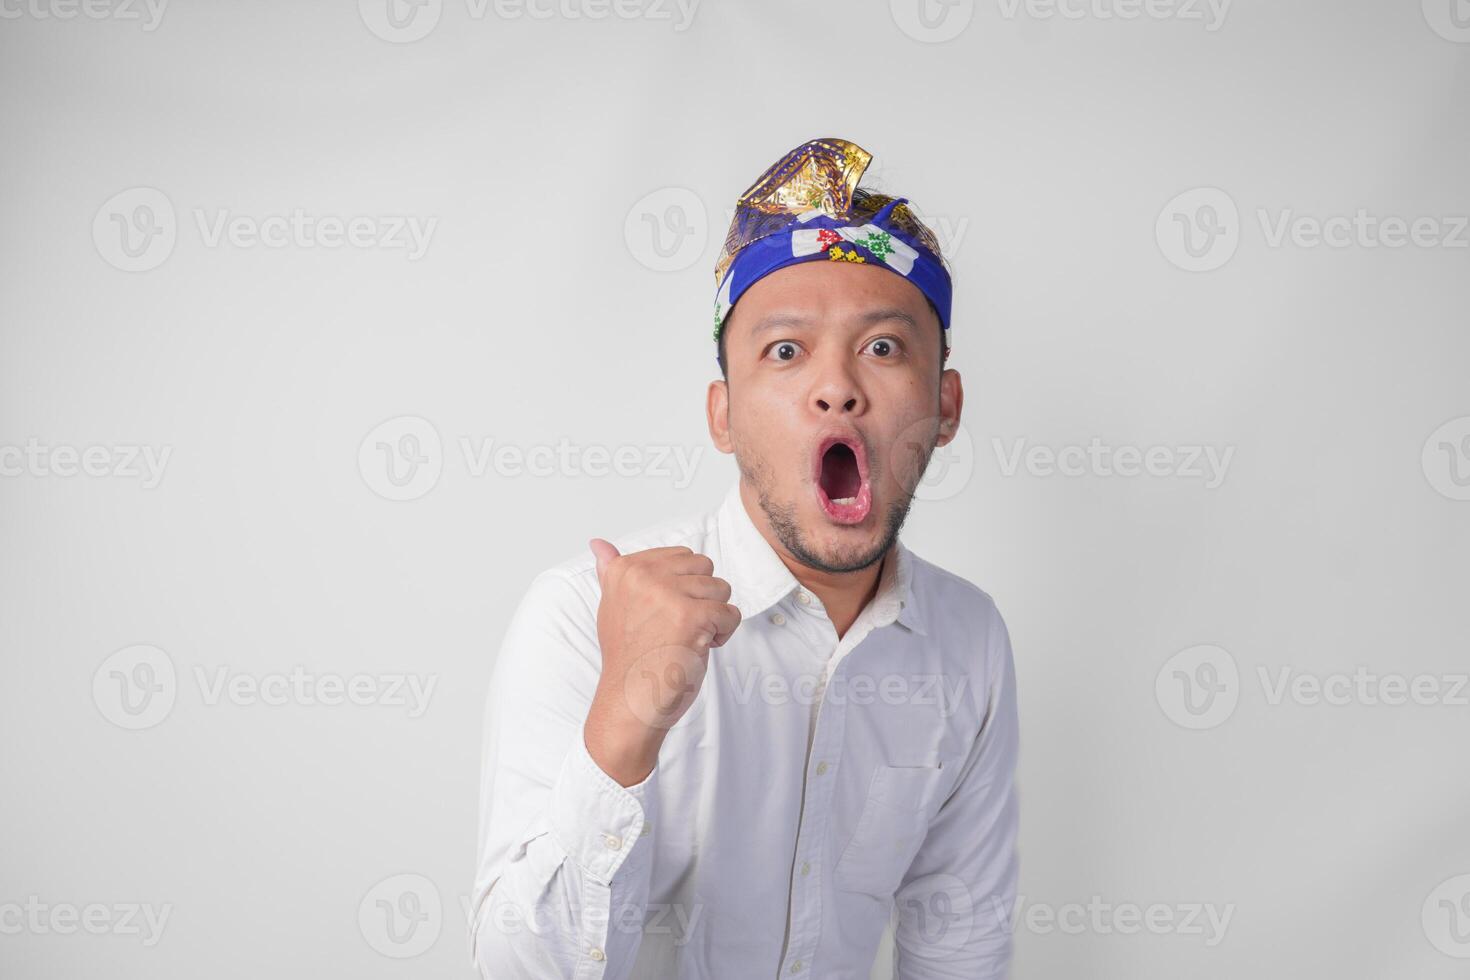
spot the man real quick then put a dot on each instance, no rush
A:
(736, 746)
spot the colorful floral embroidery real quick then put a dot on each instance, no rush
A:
(880, 243)
(836, 254)
(826, 238)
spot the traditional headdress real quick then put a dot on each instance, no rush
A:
(806, 207)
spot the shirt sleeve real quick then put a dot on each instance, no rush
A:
(565, 852)
(953, 909)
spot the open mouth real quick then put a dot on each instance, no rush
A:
(842, 479)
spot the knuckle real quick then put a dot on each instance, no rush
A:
(686, 617)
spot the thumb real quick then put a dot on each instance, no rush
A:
(605, 551)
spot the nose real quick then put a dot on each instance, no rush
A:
(837, 391)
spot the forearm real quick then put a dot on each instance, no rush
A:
(568, 902)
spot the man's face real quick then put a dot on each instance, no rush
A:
(835, 400)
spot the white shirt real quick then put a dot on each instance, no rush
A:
(815, 788)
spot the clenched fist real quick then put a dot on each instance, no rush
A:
(661, 611)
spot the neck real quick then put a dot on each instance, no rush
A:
(843, 594)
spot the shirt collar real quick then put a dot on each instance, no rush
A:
(759, 578)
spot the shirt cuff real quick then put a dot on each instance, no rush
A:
(602, 825)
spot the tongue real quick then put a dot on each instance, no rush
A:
(840, 480)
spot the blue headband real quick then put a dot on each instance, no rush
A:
(815, 236)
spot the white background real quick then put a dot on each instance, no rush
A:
(579, 173)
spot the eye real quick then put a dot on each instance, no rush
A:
(784, 350)
(882, 347)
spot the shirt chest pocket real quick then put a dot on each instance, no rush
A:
(892, 825)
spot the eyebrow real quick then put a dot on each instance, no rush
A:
(773, 321)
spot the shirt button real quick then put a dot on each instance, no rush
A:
(806, 868)
(797, 966)
(613, 841)
(647, 829)
(821, 769)
(803, 598)
(778, 619)
(597, 954)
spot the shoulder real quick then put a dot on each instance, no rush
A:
(948, 596)
(969, 635)
(963, 617)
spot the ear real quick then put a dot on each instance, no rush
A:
(717, 412)
(951, 401)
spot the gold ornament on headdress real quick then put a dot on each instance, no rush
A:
(821, 174)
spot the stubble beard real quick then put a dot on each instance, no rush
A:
(784, 522)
